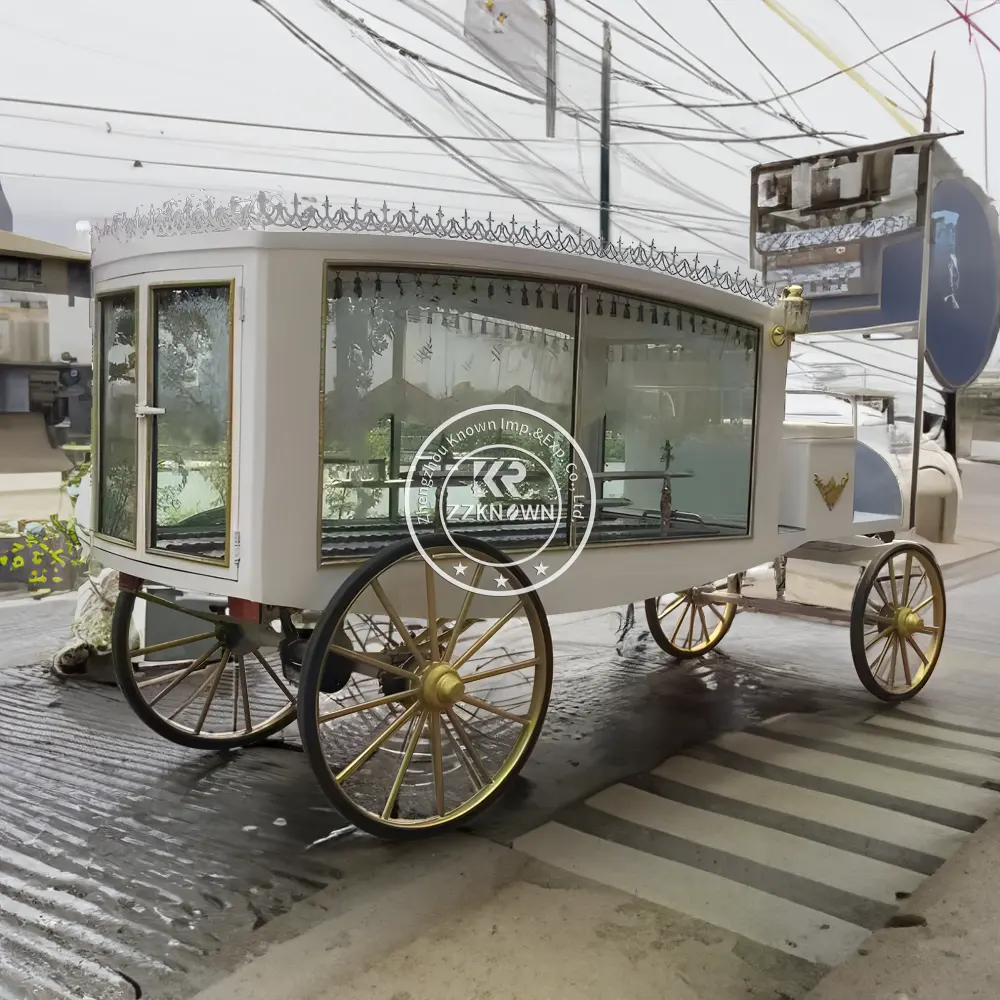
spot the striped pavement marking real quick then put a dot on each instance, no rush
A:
(802, 834)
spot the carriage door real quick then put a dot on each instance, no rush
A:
(192, 347)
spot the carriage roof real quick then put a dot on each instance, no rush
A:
(268, 221)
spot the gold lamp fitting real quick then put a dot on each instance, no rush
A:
(794, 316)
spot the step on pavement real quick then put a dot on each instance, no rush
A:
(803, 834)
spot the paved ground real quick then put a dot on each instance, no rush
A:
(129, 864)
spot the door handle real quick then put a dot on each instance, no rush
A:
(149, 411)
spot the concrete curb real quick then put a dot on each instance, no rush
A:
(342, 930)
(947, 947)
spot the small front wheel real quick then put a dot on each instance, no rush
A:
(897, 622)
(216, 686)
(691, 623)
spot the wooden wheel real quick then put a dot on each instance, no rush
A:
(897, 622)
(421, 728)
(693, 622)
(217, 686)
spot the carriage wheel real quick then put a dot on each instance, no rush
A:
(690, 623)
(897, 622)
(223, 690)
(424, 727)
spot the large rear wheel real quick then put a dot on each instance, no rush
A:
(424, 724)
(897, 622)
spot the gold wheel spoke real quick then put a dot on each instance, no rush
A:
(486, 636)
(715, 611)
(877, 665)
(913, 645)
(923, 604)
(690, 636)
(468, 699)
(884, 634)
(171, 644)
(892, 660)
(432, 622)
(437, 761)
(365, 705)
(887, 601)
(483, 675)
(680, 621)
(210, 695)
(672, 607)
(411, 745)
(928, 629)
(274, 677)
(237, 678)
(470, 748)
(246, 694)
(892, 581)
(474, 776)
(371, 661)
(373, 747)
(404, 632)
(907, 568)
(463, 613)
(906, 663)
(180, 675)
(704, 624)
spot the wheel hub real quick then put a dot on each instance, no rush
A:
(441, 686)
(907, 622)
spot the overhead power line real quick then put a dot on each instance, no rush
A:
(437, 188)
(840, 72)
(402, 114)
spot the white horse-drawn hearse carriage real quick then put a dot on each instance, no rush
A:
(273, 380)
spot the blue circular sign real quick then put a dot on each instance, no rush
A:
(963, 297)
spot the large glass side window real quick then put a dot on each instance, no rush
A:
(192, 330)
(118, 433)
(403, 352)
(666, 409)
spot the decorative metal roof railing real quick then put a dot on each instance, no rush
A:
(265, 211)
(848, 232)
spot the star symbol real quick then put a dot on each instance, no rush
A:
(541, 569)
(460, 569)
(501, 582)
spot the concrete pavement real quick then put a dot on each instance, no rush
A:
(743, 869)
(948, 947)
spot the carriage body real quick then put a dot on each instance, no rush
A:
(231, 449)
(270, 386)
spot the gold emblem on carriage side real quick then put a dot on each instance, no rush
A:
(831, 491)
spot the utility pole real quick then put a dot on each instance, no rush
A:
(925, 264)
(606, 137)
(950, 396)
(550, 69)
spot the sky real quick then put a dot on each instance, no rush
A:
(687, 71)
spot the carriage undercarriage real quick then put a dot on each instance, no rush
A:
(414, 724)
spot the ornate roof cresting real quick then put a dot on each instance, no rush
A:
(264, 211)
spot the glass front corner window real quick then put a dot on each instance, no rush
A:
(190, 460)
(405, 351)
(667, 403)
(118, 432)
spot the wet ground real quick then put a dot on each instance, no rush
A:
(127, 863)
